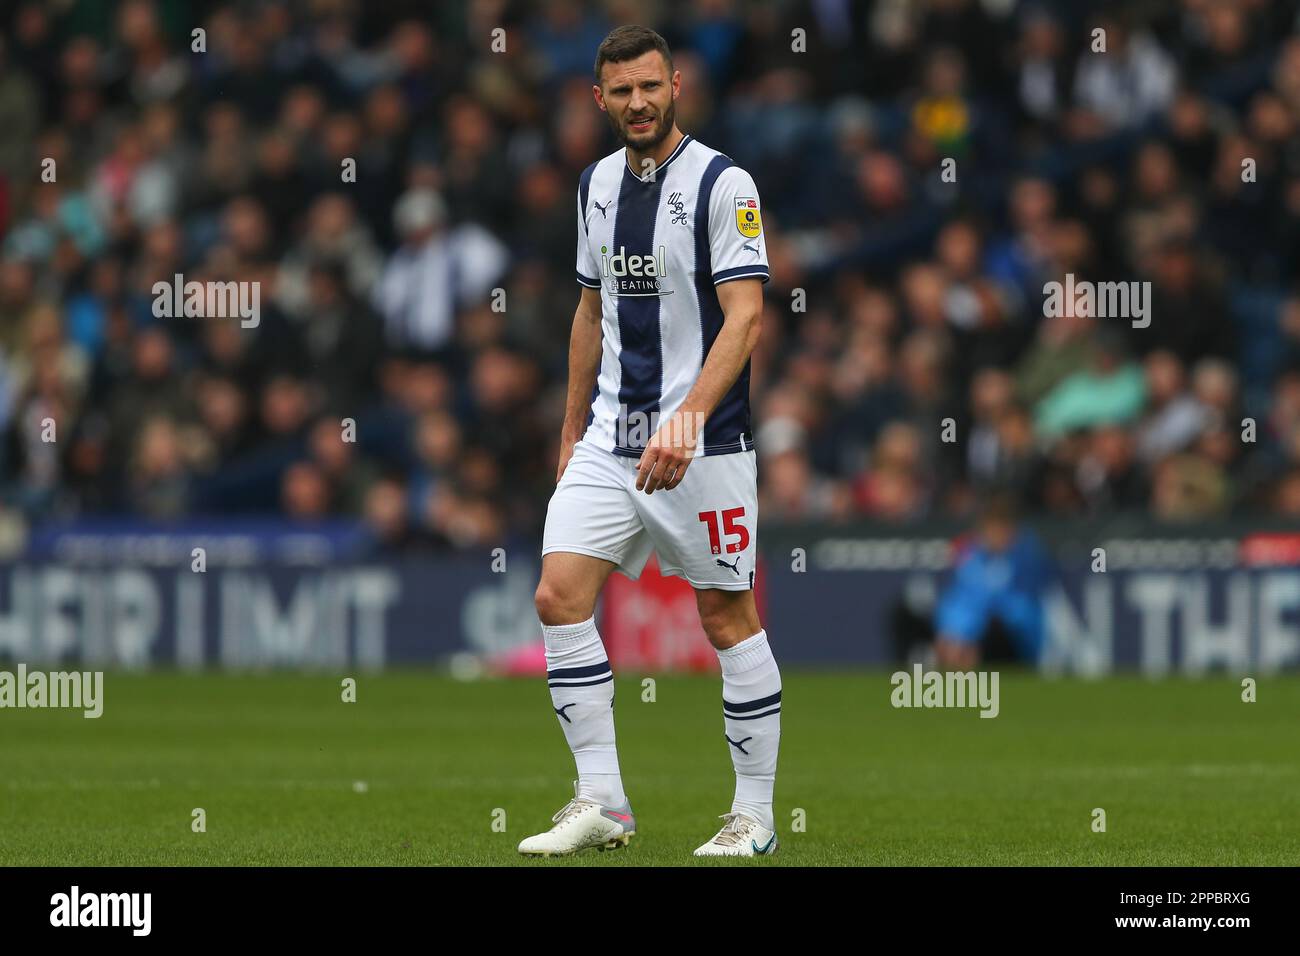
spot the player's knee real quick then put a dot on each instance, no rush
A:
(548, 602)
(727, 617)
(554, 607)
(722, 629)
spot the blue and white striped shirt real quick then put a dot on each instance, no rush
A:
(657, 248)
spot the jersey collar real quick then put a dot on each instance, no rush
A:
(686, 138)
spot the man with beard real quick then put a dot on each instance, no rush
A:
(671, 259)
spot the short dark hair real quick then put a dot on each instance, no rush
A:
(628, 43)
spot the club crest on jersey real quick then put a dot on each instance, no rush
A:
(748, 219)
(625, 274)
(678, 207)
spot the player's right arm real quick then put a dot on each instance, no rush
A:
(584, 365)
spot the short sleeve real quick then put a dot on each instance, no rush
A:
(736, 241)
(588, 274)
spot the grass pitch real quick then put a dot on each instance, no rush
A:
(420, 767)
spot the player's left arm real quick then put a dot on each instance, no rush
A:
(738, 261)
(668, 454)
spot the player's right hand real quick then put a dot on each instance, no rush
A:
(566, 452)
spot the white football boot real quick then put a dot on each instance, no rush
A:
(581, 824)
(740, 836)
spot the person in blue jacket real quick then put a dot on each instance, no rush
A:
(992, 609)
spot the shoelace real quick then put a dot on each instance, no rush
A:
(571, 808)
(733, 832)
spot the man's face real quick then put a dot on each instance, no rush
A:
(998, 534)
(639, 97)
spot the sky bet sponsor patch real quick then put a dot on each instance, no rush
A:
(748, 220)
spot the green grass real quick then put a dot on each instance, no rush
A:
(1186, 772)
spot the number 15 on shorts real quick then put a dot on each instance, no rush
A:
(730, 527)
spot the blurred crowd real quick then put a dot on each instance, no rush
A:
(408, 366)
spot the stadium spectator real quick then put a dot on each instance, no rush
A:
(433, 273)
(992, 611)
(906, 365)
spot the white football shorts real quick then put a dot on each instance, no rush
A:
(705, 530)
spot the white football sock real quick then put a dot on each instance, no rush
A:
(751, 710)
(582, 694)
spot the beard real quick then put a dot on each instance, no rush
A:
(652, 137)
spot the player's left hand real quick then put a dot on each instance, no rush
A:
(667, 455)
